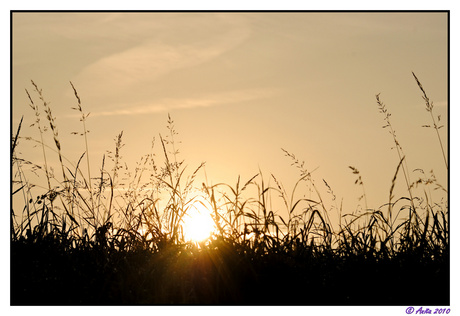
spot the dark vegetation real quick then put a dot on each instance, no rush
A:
(82, 241)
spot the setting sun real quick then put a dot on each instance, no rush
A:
(198, 224)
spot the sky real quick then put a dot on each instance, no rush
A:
(241, 87)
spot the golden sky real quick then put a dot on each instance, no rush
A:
(241, 86)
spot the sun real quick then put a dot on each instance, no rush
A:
(198, 224)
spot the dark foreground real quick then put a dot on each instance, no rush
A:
(223, 273)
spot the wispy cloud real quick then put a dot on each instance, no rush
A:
(165, 105)
(157, 54)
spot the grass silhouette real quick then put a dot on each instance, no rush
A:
(87, 240)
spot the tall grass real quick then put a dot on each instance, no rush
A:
(146, 211)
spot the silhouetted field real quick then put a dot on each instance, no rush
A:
(46, 273)
(81, 241)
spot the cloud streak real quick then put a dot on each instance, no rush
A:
(208, 100)
(156, 56)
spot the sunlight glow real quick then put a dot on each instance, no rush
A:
(197, 223)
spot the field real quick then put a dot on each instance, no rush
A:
(119, 238)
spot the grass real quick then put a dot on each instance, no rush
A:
(118, 238)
